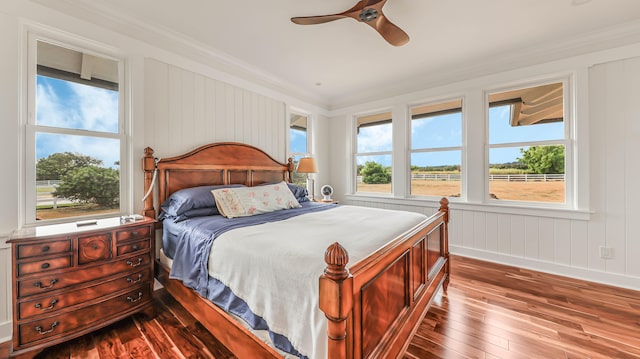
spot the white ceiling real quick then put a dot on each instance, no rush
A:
(344, 61)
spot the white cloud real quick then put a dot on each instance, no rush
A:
(75, 106)
(98, 108)
(375, 138)
(50, 108)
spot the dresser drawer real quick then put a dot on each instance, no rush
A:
(94, 248)
(56, 302)
(39, 249)
(32, 333)
(44, 265)
(132, 247)
(132, 234)
(49, 283)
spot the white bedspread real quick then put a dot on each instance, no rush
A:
(275, 267)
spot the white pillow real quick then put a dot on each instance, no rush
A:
(248, 201)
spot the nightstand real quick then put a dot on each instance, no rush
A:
(73, 278)
(318, 200)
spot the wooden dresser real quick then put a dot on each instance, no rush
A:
(71, 279)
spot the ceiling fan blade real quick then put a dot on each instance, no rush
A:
(367, 11)
(377, 4)
(390, 31)
(312, 20)
(353, 13)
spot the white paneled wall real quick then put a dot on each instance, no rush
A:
(184, 110)
(615, 165)
(5, 291)
(565, 245)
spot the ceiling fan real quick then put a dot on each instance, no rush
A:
(367, 11)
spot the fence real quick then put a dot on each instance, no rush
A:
(528, 177)
(47, 183)
(44, 198)
(525, 177)
(436, 176)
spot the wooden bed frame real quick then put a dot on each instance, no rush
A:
(373, 307)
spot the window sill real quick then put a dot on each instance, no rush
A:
(457, 203)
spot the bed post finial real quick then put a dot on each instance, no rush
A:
(336, 299)
(148, 166)
(290, 168)
(444, 207)
(336, 258)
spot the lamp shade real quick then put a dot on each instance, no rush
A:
(307, 165)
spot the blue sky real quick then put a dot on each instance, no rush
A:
(75, 106)
(298, 140)
(446, 131)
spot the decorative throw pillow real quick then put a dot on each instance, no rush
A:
(249, 201)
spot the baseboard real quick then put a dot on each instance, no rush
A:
(551, 268)
(5, 331)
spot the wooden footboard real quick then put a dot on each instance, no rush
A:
(374, 307)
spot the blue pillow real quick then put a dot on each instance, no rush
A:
(299, 192)
(193, 198)
(196, 212)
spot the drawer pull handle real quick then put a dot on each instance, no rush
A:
(53, 326)
(130, 263)
(134, 281)
(135, 233)
(133, 300)
(135, 247)
(39, 284)
(46, 248)
(45, 265)
(53, 304)
(95, 246)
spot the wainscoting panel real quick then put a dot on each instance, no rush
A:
(184, 110)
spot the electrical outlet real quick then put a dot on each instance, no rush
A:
(606, 252)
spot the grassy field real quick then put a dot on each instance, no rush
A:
(64, 211)
(502, 190)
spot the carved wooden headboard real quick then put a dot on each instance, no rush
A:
(212, 164)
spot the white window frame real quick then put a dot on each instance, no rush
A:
(460, 148)
(568, 142)
(354, 151)
(309, 152)
(28, 202)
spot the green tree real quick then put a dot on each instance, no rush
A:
(57, 165)
(91, 184)
(543, 159)
(374, 173)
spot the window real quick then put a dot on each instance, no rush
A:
(76, 137)
(298, 144)
(436, 149)
(528, 141)
(373, 153)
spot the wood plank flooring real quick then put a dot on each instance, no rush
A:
(490, 311)
(495, 311)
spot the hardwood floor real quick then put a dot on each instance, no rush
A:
(495, 311)
(490, 311)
